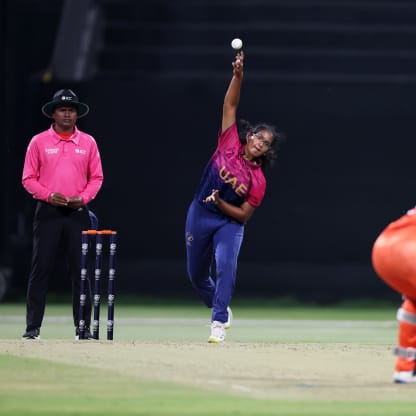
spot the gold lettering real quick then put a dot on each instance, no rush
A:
(232, 181)
(222, 173)
(241, 190)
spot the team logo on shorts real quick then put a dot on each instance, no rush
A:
(189, 238)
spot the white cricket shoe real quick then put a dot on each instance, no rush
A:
(217, 332)
(404, 377)
(227, 325)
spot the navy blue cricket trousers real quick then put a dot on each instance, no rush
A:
(211, 236)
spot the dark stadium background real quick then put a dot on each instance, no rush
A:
(338, 77)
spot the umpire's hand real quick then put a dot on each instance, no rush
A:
(58, 200)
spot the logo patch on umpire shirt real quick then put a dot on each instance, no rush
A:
(51, 151)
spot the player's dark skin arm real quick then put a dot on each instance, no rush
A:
(229, 113)
(232, 96)
(241, 214)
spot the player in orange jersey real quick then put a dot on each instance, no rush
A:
(394, 260)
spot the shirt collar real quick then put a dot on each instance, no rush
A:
(74, 138)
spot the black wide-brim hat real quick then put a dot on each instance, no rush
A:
(66, 98)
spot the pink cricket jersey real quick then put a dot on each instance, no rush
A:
(71, 167)
(236, 178)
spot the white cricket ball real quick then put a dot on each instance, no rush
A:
(237, 44)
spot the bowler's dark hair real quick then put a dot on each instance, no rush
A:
(268, 159)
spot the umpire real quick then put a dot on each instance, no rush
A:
(63, 173)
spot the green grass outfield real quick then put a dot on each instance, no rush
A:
(160, 364)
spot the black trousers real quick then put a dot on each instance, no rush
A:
(56, 230)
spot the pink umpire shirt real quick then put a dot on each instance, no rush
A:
(71, 167)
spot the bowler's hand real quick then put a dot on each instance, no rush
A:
(58, 200)
(75, 202)
(238, 64)
(214, 197)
